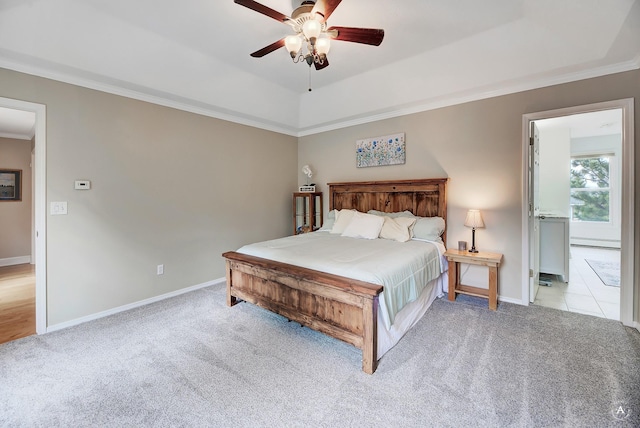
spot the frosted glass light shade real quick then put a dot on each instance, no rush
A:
(293, 44)
(323, 45)
(311, 30)
(474, 219)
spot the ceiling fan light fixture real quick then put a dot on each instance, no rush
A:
(323, 44)
(293, 45)
(311, 30)
(312, 39)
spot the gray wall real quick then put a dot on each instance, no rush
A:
(478, 145)
(168, 187)
(15, 228)
(176, 188)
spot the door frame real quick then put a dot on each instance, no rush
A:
(40, 204)
(533, 208)
(627, 251)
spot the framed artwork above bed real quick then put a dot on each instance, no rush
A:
(380, 151)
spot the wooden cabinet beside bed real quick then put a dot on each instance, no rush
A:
(343, 308)
(307, 212)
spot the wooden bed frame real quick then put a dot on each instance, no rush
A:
(343, 308)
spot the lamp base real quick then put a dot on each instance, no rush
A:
(473, 241)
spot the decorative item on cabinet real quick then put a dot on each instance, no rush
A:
(309, 187)
(307, 212)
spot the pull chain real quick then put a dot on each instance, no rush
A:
(309, 78)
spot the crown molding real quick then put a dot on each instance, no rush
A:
(15, 136)
(120, 88)
(476, 95)
(145, 94)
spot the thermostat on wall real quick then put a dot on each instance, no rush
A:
(83, 185)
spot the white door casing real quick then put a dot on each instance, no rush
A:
(40, 204)
(534, 211)
(629, 290)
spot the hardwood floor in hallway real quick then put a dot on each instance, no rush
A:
(17, 302)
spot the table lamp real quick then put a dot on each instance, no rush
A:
(473, 220)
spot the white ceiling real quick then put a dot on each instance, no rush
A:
(194, 54)
(17, 124)
(605, 122)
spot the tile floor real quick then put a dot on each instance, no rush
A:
(584, 293)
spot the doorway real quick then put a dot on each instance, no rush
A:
(579, 209)
(582, 249)
(39, 203)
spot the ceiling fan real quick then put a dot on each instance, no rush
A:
(309, 21)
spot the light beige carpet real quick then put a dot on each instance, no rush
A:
(193, 362)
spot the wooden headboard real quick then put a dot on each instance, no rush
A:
(423, 197)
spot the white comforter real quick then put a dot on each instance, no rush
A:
(403, 268)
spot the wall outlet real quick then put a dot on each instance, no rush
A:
(160, 270)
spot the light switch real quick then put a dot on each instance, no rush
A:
(58, 208)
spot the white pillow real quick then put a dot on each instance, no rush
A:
(365, 226)
(329, 221)
(429, 228)
(398, 229)
(343, 218)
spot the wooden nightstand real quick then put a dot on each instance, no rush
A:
(491, 260)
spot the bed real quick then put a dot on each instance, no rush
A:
(342, 307)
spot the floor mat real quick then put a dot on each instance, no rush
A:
(608, 272)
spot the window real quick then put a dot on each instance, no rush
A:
(590, 191)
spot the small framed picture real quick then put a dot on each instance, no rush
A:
(10, 185)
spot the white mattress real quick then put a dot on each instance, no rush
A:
(411, 272)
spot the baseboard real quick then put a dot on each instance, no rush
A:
(130, 306)
(15, 261)
(510, 300)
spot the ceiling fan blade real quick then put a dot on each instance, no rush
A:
(367, 36)
(324, 64)
(268, 49)
(325, 7)
(260, 8)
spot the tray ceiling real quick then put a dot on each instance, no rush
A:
(194, 55)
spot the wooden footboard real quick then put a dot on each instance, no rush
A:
(343, 308)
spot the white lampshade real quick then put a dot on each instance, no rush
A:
(474, 219)
(311, 30)
(323, 44)
(293, 44)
